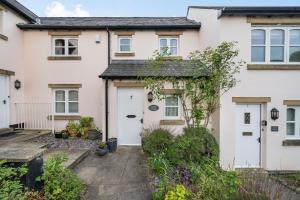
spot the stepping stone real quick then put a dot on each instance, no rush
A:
(75, 156)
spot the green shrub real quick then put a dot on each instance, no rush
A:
(10, 185)
(60, 183)
(196, 145)
(86, 122)
(179, 192)
(160, 192)
(159, 164)
(157, 141)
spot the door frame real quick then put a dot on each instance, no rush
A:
(7, 81)
(260, 136)
(118, 117)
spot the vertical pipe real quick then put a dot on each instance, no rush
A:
(106, 87)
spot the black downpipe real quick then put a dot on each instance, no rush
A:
(106, 86)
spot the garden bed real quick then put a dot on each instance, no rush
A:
(69, 143)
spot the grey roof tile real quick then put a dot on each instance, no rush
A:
(133, 69)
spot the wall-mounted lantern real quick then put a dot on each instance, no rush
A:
(274, 114)
(150, 97)
(17, 84)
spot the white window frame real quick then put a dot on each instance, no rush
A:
(169, 38)
(66, 47)
(297, 123)
(267, 30)
(66, 101)
(130, 44)
(165, 108)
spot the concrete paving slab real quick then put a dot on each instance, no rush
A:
(117, 176)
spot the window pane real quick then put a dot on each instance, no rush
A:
(171, 101)
(290, 128)
(125, 48)
(60, 107)
(258, 37)
(73, 51)
(247, 118)
(73, 42)
(294, 37)
(73, 107)
(277, 37)
(60, 95)
(294, 54)
(258, 54)
(171, 112)
(125, 41)
(163, 43)
(59, 42)
(173, 42)
(277, 54)
(173, 51)
(59, 51)
(73, 95)
(290, 114)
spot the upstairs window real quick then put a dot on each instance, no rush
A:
(66, 101)
(65, 46)
(171, 107)
(278, 45)
(168, 45)
(125, 44)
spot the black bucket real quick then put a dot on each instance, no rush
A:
(112, 144)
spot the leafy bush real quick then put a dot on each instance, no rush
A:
(159, 164)
(10, 184)
(60, 183)
(183, 175)
(195, 146)
(73, 128)
(86, 122)
(179, 192)
(157, 141)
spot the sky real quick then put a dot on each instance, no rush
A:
(137, 8)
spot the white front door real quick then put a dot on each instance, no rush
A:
(248, 120)
(4, 102)
(130, 115)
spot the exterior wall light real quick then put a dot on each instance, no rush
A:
(150, 97)
(17, 84)
(274, 114)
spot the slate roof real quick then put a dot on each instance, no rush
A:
(133, 69)
(266, 11)
(20, 9)
(112, 22)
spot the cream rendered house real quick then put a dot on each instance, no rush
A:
(72, 67)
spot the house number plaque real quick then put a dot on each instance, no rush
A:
(153, 108)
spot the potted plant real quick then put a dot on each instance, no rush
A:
(73, 128)
(58, 134)
(102, 149)
(65, 134)
(91, 131)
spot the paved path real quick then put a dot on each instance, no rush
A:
(117, 176)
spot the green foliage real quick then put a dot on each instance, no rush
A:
(86, 121)
(179, 192)
(102, 145)
(196, 145)
(160, 193)
(73, 128)
(11, 187)
(199, 96)
(157, 141)
(60, 183)
(159, 164)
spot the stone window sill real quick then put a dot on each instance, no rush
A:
(273, 67)
(64, 57)
(65, 117)
(120, 54)
(172, 122)
(292, 142)
(3, 37)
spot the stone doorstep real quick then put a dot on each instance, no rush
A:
(75, 156)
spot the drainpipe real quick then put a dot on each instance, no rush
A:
(106, 86)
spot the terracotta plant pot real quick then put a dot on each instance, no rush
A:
(101, 152)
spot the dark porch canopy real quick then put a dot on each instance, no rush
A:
(134, 69)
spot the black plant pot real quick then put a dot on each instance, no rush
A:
(101, 152)
(93, 134)
(58, 135)
(112, 144)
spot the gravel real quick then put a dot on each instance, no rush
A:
(70, 143)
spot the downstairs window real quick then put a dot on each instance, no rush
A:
(66, 101)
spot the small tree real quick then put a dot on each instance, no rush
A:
(211, 74)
